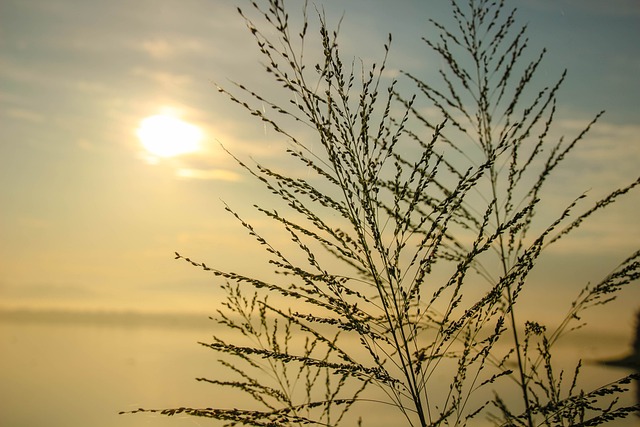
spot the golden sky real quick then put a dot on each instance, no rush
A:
(90, 217)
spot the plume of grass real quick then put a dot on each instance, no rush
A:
(392, 197)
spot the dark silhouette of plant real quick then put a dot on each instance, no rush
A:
(395, 201)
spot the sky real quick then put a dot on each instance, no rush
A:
(90, 219)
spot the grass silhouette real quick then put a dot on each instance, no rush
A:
(395, 199)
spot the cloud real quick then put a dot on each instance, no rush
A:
(24, 114)
(208, 174)
(90, 87)
(392, 73)
(620, 8)
(160, 48)
(609, 152)
(162, 77)
(47, 291)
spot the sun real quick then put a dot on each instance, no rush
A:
(165, 136)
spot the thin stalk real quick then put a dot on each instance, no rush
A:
(512, 316)
(405, 360)
(484, 131)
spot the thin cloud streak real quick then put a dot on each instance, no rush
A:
(208, 174)
(612, 8)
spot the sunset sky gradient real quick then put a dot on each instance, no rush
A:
(90, 220)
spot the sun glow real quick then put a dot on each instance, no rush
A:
(164, 136)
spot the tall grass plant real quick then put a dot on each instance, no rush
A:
(413, 235)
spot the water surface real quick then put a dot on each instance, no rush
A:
(73, 370)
